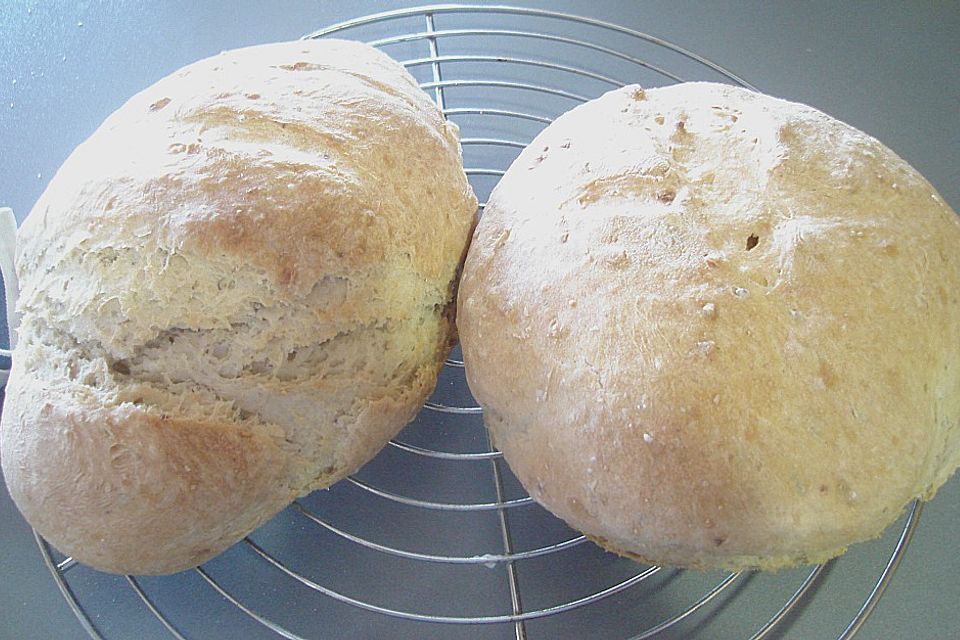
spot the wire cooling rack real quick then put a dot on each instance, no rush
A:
(435, 538)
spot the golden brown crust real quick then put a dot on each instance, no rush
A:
(129, 490)
(731, 324)
(291, 166)
(240, 286)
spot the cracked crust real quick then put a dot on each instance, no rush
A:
(711, 328)
(126, 488)
(243, 282)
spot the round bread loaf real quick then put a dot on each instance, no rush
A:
(710, 328)
(235, 292)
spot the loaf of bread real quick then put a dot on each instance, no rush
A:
(710, 328)
(235, 292)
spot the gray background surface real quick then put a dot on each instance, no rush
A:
(889, 68)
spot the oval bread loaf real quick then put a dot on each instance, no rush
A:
(711, 328)
(235, 292)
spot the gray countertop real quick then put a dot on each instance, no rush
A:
(889, 68)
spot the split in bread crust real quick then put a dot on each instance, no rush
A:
(235, 292)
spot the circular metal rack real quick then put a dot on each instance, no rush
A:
(435, 538)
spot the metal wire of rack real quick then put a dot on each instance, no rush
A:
(501, 88)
